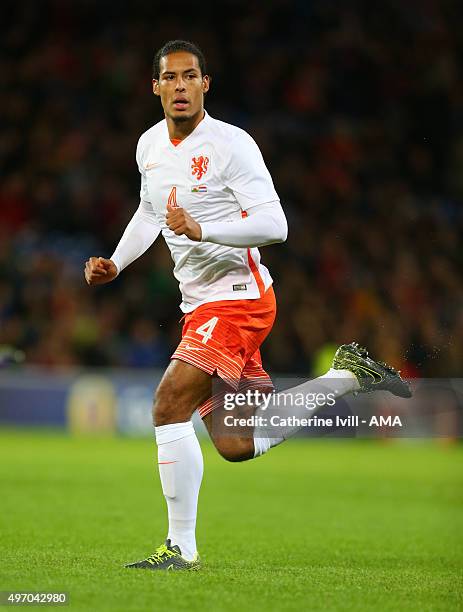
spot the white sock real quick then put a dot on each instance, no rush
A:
(337, 382)
(181, 470)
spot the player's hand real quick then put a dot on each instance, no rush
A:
(180, 222)
(99, 270)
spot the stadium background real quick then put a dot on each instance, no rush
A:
(358, 113)
(358, 110)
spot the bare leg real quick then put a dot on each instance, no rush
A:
(182, 389)
(236, 444)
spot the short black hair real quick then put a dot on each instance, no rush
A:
(178, 45)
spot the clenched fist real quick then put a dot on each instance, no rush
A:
(180, 222)
(99, 270)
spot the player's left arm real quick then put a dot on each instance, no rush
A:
(264, 224)
(246, 175)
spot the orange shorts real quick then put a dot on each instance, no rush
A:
(224, 338)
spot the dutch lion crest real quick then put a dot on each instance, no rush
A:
(199, 166)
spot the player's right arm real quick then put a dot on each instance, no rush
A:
(139, 235)
(99, 270)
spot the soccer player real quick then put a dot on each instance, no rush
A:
(205, 187)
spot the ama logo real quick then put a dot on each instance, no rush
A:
(199, 166)
(385, 421)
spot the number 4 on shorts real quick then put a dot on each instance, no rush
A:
(205, 330)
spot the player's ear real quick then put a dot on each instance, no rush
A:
(206, 83)
(155, 87)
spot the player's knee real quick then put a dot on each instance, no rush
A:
(167, 408)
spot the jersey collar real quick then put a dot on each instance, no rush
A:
(197, 130)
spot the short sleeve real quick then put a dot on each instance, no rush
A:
(246, 173)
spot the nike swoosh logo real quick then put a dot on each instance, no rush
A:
(153, 165)
(376, 377)
(193, 348)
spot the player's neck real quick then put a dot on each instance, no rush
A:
(181, 129)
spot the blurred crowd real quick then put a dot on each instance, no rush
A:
(358, 110)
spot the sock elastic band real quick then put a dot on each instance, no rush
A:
(173, 431)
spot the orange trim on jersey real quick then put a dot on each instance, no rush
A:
(175, 141)
(252, 265)
(256, 274)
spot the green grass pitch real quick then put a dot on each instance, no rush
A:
(313, 525)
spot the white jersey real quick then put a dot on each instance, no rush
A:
(215, 174)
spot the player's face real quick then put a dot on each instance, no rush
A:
(181, 86)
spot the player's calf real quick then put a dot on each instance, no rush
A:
(234, 449)
(236, 446)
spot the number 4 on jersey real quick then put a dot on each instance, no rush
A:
(172, 199)
(205, 330)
